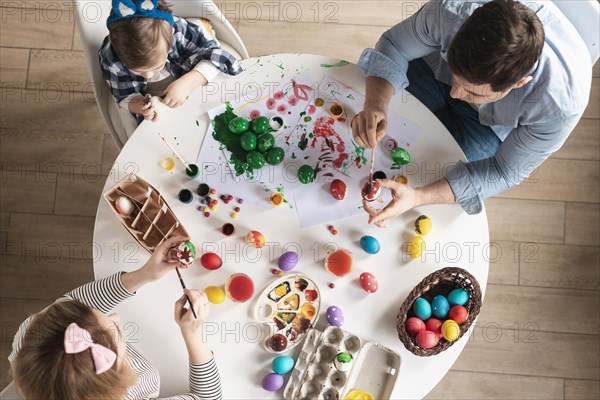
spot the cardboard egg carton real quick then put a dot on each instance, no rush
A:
(374, 368)
(152, 220)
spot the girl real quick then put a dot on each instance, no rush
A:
(150, 51)
(75, 350)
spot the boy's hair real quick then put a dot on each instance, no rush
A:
(497, 45)
(43, 370)
(140, 41)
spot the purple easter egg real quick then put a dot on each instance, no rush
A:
(288, 261)
(272, 382)
(335, 316)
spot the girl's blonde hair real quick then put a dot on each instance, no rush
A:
(140, 42)
(43, 370)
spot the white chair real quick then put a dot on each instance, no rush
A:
(584, 16)
(91, 18)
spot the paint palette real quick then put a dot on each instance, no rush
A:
(291, 305)
(335, 364)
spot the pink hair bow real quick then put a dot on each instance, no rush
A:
(78, 339)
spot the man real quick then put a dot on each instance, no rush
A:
(509, 81)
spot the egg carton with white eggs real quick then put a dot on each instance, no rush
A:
(143, 211)
(335, 363)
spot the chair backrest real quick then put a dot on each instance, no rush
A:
(584, 16)
(10, 392)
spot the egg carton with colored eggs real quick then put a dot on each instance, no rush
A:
(438, 311)
(291, 306)
(335, 364)
(143, 211)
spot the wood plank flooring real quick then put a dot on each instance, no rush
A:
(538, 333)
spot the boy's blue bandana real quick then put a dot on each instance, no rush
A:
(122, 9)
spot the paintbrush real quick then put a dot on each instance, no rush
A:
(174, 152)
(186, 296)
(371, 169)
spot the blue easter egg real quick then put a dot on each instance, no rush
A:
(282, 364)
(458, 297)
(440, 306)
(370, 244)
(422, 309)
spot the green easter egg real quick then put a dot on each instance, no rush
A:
(275, 155)
(239, 125)
(260, 125)
(265, 142)
(400, 156)
(248, 141)
(306, 174)
(255, 159)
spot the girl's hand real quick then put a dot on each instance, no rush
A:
(177, 92)
(163, 260)
(139, 105)
(184, 316)
(404, 198)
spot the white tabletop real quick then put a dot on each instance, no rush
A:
(456, 239)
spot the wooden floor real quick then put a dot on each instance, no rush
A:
(538, 332)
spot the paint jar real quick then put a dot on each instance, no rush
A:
(192, 170)
(228, 229)
(167, 163)
(336, 110)
(276, 123)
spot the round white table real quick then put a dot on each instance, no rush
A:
(456, 239)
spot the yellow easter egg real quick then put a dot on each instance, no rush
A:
(400, 179)
(215, 294)
(423, 225)
(450, 330)
(356, 394)
(415, 247)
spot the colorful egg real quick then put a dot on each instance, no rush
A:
(339, 262)
(423, 225)
(368, 282)
(415, 247)
(400, 156)
(458, 297)
(123, 205)
(335, 316)
(282, 364)
(255, 159)
(275, 156)
(440, 306)
(434, 325)
(239, 125)
(256, 239)
(450, 330)
(458, 314)
(306, 174)
(371, 190)
(239, 288)
(414, 325)
(422, 309)
(343, 361)
(260, 125)
(288, 261)
(186, 252)
(278, 342)
(248, 141)
(265, 142)
(427, 339)
(338, 189)
(272, 382)
(215, 294)
(211, 261)
(370, 244)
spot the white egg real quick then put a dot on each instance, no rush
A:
(123, 205)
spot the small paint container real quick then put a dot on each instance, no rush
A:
(228, 229)
(336, 110)
(185, 196)
(276, 123)
(167, 163)
(192, 170)
(379, 175)
(203, 189)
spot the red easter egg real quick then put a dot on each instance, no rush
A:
(434, 325)
(458, 314)
(427, 339)
(414, 325)
(338, 189)
(211, 261)
(368, 282)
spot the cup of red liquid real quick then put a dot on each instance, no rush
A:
(239, 288)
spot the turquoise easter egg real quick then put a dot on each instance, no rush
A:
(370, 244)
(440, 306)
(458, 297)
(282, 364)
(422, 309)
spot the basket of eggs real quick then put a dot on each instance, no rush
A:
(438, 311)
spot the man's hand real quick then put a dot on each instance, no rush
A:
(369, 127)
(139, 105)
(404, 198)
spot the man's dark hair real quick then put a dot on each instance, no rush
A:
(497, 45)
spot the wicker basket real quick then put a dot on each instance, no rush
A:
(439, 282)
